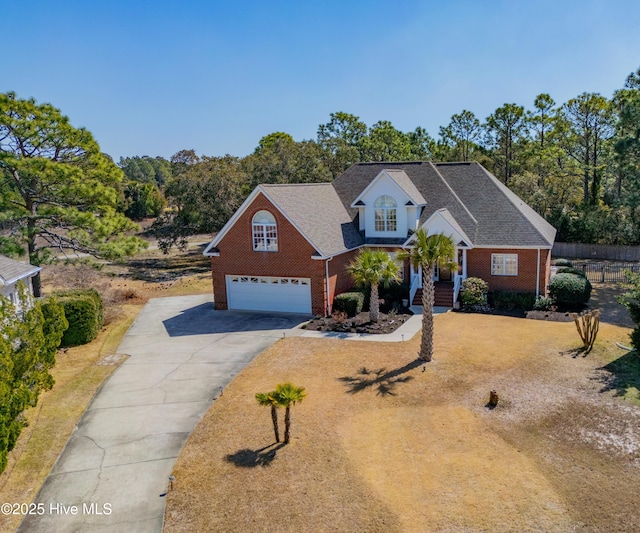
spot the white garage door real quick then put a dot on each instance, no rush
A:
(261, 293)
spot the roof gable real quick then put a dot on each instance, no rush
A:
(400, 181)
(441, 221)
(313, 209)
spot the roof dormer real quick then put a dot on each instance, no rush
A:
(389, 206)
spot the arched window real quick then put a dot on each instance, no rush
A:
(385, 213)
(265, 233)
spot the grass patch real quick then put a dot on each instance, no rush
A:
(384, 444)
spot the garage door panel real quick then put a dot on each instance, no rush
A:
(262, 293)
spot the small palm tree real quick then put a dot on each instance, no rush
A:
(373, 267)
(427, 252)
(269, 399)
(287, 394)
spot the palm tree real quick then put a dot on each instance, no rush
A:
(287, 394)
(269, 399)
(427, 252)
(373, 267)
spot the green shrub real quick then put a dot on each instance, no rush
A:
(571, 270)
(570, 290)
(543, 303)
(83, 311)
(393, 294)
(635, 339)
(55, 324)
(513, 300)
(563, 263)
(349, 302)
(473, 291)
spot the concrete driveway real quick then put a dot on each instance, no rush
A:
(116, 465)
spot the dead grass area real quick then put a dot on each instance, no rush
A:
(383, 443)
(150, 275)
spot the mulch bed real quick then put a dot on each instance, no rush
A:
(360, 323)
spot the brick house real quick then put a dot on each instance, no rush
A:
(286, 247)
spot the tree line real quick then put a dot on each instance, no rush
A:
(576, 163)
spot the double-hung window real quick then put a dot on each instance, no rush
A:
(386, 214)
(504, 264)
(264, 232)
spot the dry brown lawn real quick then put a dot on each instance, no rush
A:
(382, 444)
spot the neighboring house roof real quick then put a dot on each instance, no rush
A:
(11, 270)
(467, 196)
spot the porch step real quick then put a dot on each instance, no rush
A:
(443, 295)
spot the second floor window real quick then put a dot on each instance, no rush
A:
(385, 210)
(265, 232)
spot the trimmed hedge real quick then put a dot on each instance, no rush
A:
(571, 270)
(570, 290)
(563, 263)
(514, 300)
(349, 302)
(83, 310)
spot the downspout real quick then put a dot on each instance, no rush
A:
(326, 266)
(538, 276)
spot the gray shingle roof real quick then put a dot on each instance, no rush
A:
(485, 209)
(503, 218)
(405, 183)
(12, 270)
(316, 210)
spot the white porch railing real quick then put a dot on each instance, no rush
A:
(416, 283)
(457, 283)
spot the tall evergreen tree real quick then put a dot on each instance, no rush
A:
(59, 192)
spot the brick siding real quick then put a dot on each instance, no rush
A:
(479, 265)
(293, 258)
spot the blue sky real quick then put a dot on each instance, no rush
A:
(154, 77)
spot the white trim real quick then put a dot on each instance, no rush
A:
(374, 181)
(538, 275)
(329, 306)
(245, 205)
(503, 266)
(454, 234)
